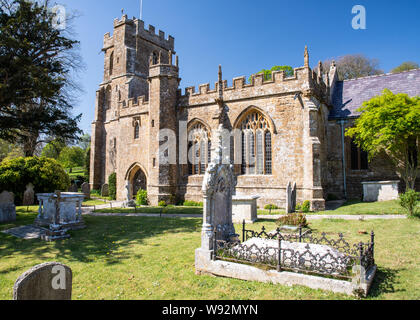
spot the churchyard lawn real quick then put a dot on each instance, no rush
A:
(153, 258)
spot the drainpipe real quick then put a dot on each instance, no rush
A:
(342, 122)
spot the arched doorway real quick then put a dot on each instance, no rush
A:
(137, 178)
(139, 181)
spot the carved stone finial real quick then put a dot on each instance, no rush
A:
(306, 55)
(220, 73)
(122, 11)
(170, 57)
(333, 64)
(177, 61)
(320, 69)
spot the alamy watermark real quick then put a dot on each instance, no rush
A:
(59, 281)
(359, 20)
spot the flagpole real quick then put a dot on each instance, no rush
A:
(141, 9)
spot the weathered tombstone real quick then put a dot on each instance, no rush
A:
(129, 202)
(105, 190)
(291, 198)
(86, 190)
(7, 207)
(218, 187)
(74, 188)
(29, 195)
(47, 281)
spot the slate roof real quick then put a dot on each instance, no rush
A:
(349, 95)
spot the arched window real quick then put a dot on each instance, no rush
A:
(155, 58)
(111, 63)
(137, 130)
(199, 149)
(256, 144)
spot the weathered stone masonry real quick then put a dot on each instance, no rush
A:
(140, 96)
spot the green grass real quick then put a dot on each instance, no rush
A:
(355, 207)
(75, 172)
(165, 210)
(93, 202)
(151, 258)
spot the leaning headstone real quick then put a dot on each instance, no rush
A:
(86, 190)
(7, 207)
(74, 188)
(47, 281)
(105, 190)
(29, 195)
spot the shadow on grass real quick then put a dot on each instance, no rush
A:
(384, 282)
(105, 238)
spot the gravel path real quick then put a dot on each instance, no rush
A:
(344, 217)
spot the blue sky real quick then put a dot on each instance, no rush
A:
(246, 36)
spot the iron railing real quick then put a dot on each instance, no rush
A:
(299, 252)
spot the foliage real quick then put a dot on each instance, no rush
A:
(112, 184)
(71, 157)
(9, 150)
(47, 175)
(162, 204)
(390, 123)
(354, 66)
(268, 73)
(37, 62)
(141, 197)
(271, 207)
(306, 206)
(409, 201)
(53, 149)
(84, 141)
(189, 203)
(406, 66)
(293, 219)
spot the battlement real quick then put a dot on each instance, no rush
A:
(138, 29)
(303, 79)
(134, 102)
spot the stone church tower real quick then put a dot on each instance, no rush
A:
(136, 98)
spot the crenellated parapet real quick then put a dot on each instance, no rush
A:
(139, 102)
(139, 30)
(302, 80)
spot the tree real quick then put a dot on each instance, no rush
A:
(53, 149)
(84, 141)
(71, 157)
(354, 66)
(267, 73)
(405, 66)
(36, 66)
(390, 123)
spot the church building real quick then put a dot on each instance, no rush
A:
(288, 129)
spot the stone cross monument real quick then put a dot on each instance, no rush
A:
(218, 187)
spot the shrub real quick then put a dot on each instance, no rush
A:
(271, 207)
(46, 174)
(112, 183)
(162, 204)
(409, 202)
(306, 206)
(298, 207)
(189, 203)
(141, 197)
(294, 219)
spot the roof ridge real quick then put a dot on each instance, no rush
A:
(382, 75)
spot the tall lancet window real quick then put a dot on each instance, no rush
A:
(256, 144)
(111, 64)
(199, 146)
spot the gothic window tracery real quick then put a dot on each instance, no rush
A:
(199, 149)
(256, 144)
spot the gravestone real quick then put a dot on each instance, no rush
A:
(74, 188)
(47, 281)
(291, 198)
(29, 195)
(7, 207)
(218, 187)
(105, 190)
(86, 190)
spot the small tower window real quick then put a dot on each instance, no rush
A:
(155, 58)
(111, 63)
(136, 131)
